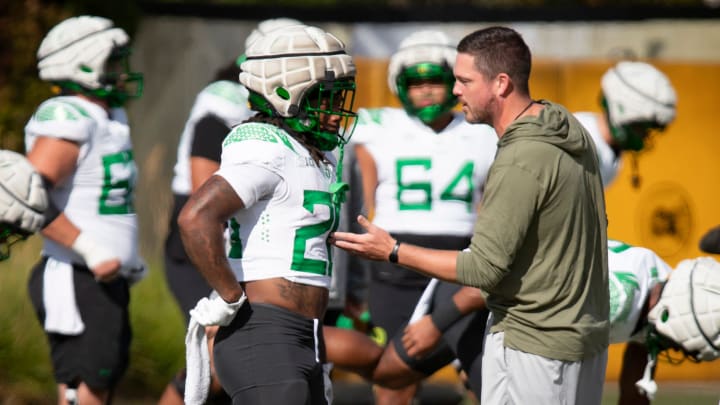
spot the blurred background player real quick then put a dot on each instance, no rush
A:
(23, 200)
(423, 170)
(218, 107)
(276, 185)
(637, 99)
(79, 142)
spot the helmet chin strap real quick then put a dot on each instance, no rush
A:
(339, 189)
(646, 385)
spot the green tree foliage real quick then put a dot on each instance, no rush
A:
(22, 26)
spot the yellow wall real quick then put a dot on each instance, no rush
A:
(679, 193)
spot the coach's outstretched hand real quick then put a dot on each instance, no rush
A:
(375, 244)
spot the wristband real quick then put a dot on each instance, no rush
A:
(92, 253)
(445, 316)
(393, 258)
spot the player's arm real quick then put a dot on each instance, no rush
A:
(206, 149)
(202, 221)
(55, 160)
(421, 337)
(633, 366)
(368, 170)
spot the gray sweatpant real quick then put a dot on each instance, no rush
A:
(513, 377)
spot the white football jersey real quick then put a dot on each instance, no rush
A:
(99, 197)
(288, 214)
(609, 162)
(634, 271)
(226, 100)
(428, 183)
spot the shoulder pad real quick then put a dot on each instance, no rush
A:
(60, 110)
(256, 131)
(227, 90)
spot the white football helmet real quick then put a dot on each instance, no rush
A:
(23, 200)
(299, 73)
(688, 312)
(637, 97)
(424, 55)
(75, 53)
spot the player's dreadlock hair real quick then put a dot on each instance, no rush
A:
(306, 139)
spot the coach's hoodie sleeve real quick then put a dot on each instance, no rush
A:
(508, 210)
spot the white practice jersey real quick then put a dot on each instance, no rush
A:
(634, 271)
(289, 212)
(224, 99)
(99, 197)
(421, 172)
(609, 162)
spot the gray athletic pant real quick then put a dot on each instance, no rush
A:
(513, 377)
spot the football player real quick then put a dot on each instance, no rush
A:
(637, 100)
(277, 188)
(79, 142)
(218, 107)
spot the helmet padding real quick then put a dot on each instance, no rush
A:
(637, 93)
(688, 312)
(76, 51)
(23, 199)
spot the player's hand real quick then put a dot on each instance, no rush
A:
(375, 244)
(421, 337)
(107, 270)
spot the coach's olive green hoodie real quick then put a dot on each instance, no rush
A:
(539, 249)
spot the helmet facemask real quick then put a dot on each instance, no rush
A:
(426, 73)
(9, 235)
(632, 136)
(120, 83)
(326, 112)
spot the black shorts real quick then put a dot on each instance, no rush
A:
(98, 356)
(186, 283)
(394, 291)
(270, 355)
(462, 341)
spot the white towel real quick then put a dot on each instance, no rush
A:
(197, 359)
(207, 312)
(425, 302)
(61, 310)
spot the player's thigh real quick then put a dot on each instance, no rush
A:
(270, 355)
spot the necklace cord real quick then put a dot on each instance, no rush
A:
(524, 109)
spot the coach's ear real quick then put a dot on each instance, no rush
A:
(503, 85)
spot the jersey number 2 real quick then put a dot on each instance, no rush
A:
(312, 198)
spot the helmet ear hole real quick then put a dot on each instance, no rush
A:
(664, 315)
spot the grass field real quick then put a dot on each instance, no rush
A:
(158, 351)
